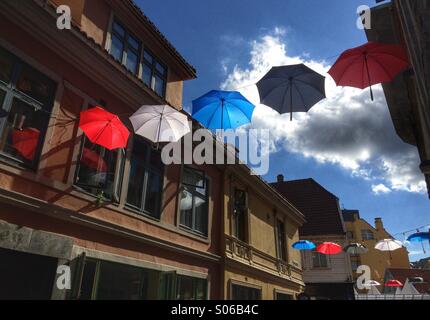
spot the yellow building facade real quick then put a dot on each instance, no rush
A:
(259, 228)
(360, 231)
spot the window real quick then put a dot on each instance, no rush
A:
(194, 201)
(188, 288)
(124, 47)
(350, 235)
(239, 292)
(280, 240)
(367, 234)
(100, 170)
(283, 296)
(146, 179)
(26, 98)
(319, 260)
(154, 74)
(240, 210)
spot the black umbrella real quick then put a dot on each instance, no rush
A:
(293, 88)
(355, 248)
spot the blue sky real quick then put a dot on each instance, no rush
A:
(220, 38)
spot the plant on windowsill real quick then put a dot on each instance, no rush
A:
(100, 198)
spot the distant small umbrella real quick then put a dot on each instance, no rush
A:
(371, 283)
(388, 245)
(419, 237)
(393, 283)
(329, 248)
(304, 245)
(355, 248)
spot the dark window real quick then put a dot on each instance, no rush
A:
(194, 201)
(280, 238)
(367, 234)
(240, 214)
(100, 170)
(154, 74)
(124, 47)
(350, 235)
(146, 178)
(26, 98)
(245, 293)
(319, 260)
(188, 288)
(283, 296)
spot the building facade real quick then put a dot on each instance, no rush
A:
(326, 276)
(360, 231)
(260, 226)
(128, 226)
(407, 22)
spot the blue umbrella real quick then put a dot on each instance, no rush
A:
(419, 237)
(304, 245)
(222, 110)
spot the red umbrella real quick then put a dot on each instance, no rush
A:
(369, 64)
(329, 248)
(394, 283)
(104, 128)
(93, 160)
(25, 142)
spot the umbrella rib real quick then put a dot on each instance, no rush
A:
(212, 116)
(382, 66)
(300, 94)
(240, 107)
(347, 67)
(308, 84)
(276, 87)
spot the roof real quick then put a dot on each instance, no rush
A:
(348, 215)
(160, 35)
(403, 274)
(319, 206)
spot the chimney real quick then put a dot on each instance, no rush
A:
(280, 178)
(378, 224)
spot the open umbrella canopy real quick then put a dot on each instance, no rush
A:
(222, 110)
(393, 283)
(419, 237)
(371, 283)
(292, 88)
(160, 123)
(329, 248)
(103, 128)
(355, 248)
(25, 141)
(369, 64)
(388, 245)
(304, 245)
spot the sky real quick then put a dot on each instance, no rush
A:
(346, 142)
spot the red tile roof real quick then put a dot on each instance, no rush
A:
(403, 274)
(319, 206)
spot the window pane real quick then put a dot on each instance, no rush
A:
(88, 280)
(133, 42)
(136, 182)
(122, 282)
(186, 207)
(159, 86)
(97, 169)
(201, 289)
(35, 85)
(153, 191)
(116, 48)
(281, 241)
(245, 293)
(6, 64)
(160, 68)
(148, 57)
(21, 136)
(118, 29)
(201, 214)
(146, 75)
(193, 178)
(185, 288)
(131, 62)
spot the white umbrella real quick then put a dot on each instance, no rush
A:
(160, 123)
(371, 286)
(388, 245)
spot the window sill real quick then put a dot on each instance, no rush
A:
(141, 213)
(193, 233)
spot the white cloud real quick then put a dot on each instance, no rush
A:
(346, 129)
(380, 189)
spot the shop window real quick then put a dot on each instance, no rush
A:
(100, 170)
(26, 98)
(145, 183)
(194, 201)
